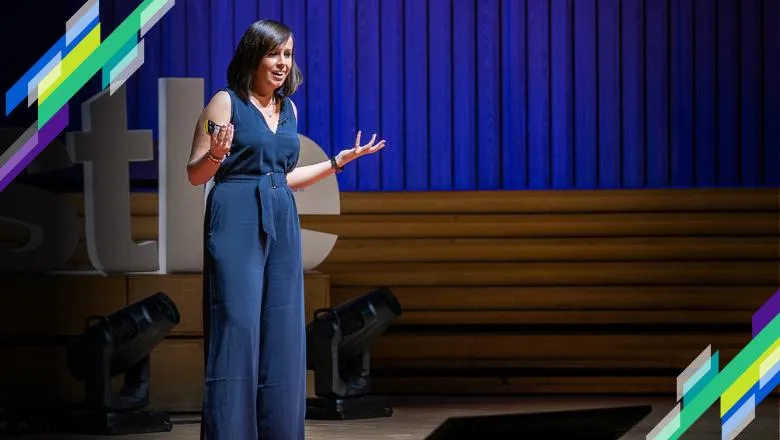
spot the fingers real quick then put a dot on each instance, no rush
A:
(378, 146)
(359, 150)
(371, 142)
(221, 139)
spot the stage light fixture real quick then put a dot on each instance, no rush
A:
(120, 344)
(339, 342)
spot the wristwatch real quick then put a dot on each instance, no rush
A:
(335, 165)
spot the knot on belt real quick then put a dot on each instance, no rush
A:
(265, 184)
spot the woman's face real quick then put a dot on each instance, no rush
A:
(276, 65)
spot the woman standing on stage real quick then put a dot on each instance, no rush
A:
(254, 323)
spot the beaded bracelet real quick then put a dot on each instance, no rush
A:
(210, 156)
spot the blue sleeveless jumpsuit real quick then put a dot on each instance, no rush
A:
(253, 313)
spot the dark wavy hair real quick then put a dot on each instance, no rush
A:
(260, 39)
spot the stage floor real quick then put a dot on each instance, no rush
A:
(417, 417)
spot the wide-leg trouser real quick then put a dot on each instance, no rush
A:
(254, 326)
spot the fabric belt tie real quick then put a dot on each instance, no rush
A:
(265, 184)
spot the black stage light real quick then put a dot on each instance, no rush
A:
(339, 344)
(120, 344)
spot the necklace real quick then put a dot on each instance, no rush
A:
(269, 110)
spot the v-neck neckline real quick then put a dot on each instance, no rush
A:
(265, 121)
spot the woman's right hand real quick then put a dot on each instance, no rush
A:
(221, 140)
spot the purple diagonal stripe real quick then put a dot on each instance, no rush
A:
(25, 155)
(766, 313)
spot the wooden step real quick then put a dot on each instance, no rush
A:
(573, 298)
(652, 224)
(554, 273)
(573, 317)
(568, 201)
(620, 200)
(582, 350)
(554, 249)
(346, 226)
(412, 385)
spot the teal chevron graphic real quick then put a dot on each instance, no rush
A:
(742, 384)
(67, 66)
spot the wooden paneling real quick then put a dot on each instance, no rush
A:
(186, 291)
(177, 375)
(737, 273)
(144, 204)
(524, 385)
(568, 201)
(554, 249)
(571, 298)
(650, 224)
(550, 348)
(54, 305)
(568, 317)
(555, 291)
(47, 312)
(514, 292)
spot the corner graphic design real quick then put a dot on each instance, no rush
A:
(741, 386)
(64, 69)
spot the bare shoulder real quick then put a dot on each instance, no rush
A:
(295, 109)
(218, 108)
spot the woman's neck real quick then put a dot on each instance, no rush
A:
(263, 98)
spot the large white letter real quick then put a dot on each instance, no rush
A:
(322, 198)
(53, 224)
(106, 147)
(180, 203)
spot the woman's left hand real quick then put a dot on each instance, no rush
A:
(350, 154)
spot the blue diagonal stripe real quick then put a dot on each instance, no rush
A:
(744, 410)
(83, 33)
(83, 25)
(18, 91)
(734, 408)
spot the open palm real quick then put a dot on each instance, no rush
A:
(358, 150)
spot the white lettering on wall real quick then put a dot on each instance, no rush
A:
(180, 203)
(105, 146)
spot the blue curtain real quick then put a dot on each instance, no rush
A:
(506, 94)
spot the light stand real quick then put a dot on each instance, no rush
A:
(338, 346)
(120, 344)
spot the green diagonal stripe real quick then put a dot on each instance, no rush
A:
(153, 8)
(92, 64)
(116, 58)
(709, 394)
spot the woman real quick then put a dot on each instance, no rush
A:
(254, 324)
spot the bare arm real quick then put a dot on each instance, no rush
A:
(304, 176)
(209, 150)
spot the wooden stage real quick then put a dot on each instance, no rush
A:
(416, 417)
